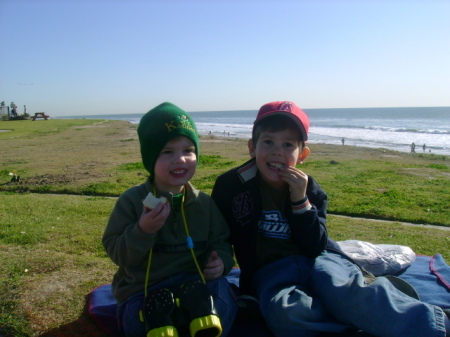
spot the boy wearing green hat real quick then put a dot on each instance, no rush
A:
(172, 259)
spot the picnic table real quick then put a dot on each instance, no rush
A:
(40, 115)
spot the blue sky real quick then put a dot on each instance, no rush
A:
(74, 57)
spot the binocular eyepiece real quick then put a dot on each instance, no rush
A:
(189, 307)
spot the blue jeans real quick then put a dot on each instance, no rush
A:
(223, 295)
(302, 297)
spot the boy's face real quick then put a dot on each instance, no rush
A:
(274, 150)
(175, 165)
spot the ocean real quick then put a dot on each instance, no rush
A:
(390, 128)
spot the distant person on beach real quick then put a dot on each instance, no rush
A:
(343, 141)
(413, 148)
(424, 147)
(303, 281)
(172, 248)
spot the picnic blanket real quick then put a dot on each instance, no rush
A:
(429, 275)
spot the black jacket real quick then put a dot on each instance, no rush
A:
(237, 195)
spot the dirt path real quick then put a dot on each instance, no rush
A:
(397, 222)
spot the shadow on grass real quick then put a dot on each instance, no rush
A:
(85, 325)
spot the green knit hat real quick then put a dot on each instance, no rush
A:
(160, 125)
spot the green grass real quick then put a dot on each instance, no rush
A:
(51, 223)
(30, 129)
(388, 190)
(374, 183)
(51, 257)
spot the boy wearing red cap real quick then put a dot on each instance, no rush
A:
(303, 281)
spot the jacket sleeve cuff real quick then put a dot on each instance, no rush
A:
(300, 207)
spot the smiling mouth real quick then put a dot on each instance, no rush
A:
(276, 165)
(178, 172)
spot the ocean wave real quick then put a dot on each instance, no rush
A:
(384, 128)
(412, 130)
(392, 128)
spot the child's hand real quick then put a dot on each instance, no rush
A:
(152, 220)
(214, 268)
(297, 181)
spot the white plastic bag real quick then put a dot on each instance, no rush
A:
(380, 259)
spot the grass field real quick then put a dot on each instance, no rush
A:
(71, 171)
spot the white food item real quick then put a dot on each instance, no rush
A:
(151, 201)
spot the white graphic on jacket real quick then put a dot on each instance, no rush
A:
(273, 225)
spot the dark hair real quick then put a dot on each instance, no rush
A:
(275, 123)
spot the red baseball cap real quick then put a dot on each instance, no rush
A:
(289, 109)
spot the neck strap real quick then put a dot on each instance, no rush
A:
(189, 242)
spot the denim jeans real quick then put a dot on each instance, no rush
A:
(224, 302)
(302, 297)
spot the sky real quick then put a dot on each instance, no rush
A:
(84, 57)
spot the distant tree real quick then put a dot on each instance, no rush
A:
(3, 108)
